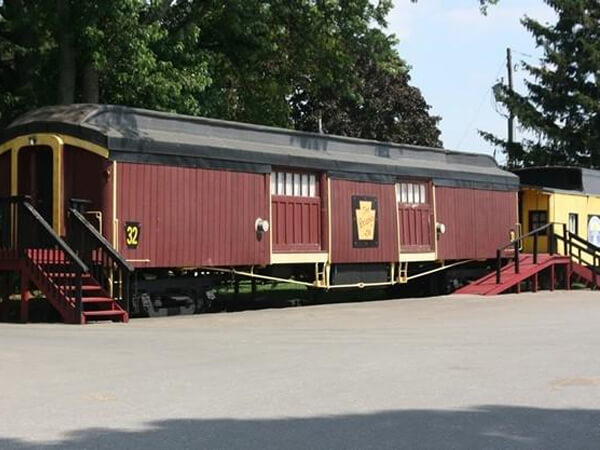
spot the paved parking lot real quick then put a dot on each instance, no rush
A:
(518, 372)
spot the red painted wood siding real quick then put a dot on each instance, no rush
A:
(477, 221)
(192, 217)
(342, 250)
(5, 174)
(296, 223)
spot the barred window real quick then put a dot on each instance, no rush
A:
(411, 193)
(538, 219)
(573, 223)
(293, 184)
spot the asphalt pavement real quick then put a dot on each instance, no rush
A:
(510, 372)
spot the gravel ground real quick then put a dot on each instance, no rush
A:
(511, 372)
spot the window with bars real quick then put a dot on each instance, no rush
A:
(293, 184)
(538, 219)
(411, 193)
(573, 223)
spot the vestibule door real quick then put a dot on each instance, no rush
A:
(35, 177)
(296, 211)
(415, 213)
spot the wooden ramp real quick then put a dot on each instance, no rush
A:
(528, 271)
(570, 258)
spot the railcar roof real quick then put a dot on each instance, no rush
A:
(139, 135)
(562, 178)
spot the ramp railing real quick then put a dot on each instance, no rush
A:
(573, 246)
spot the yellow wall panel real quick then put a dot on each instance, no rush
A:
(559, 205)
(533, 200)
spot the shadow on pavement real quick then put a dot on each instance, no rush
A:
(486, 427)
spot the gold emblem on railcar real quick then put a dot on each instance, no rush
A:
(365, 221)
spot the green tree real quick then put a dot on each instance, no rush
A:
(382, 106)
(131, 52)
(562, 106)
(272, 62)
(483, 4)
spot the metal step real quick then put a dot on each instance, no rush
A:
(97, 300)
(104, 313)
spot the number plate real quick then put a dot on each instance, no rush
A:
(132, 234)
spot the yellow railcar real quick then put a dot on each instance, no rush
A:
(563, 195)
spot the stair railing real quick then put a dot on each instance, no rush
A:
(107, 266)
(24, 230)
(8, 221)
(575, 245)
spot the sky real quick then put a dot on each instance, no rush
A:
(456, 54)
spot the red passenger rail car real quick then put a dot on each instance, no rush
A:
(177, 197)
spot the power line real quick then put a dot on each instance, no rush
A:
(475, 115)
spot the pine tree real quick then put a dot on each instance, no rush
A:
(562, 107)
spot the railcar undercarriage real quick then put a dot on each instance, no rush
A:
(166, 292)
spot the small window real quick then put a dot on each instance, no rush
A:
(573, 223)
(293, 184)
(312, 186)
(297, 191)
(289, 184)
(304, 185)
(280, 183)
(538, 219)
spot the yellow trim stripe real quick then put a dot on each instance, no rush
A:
(85, 145)
(299, 258)
(115, 224)
(23, 141)
(417, 257)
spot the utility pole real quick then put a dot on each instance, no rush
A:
(511, 116)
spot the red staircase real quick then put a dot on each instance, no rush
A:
(84, 281)
(580, 261)
(49, 270)
(585, 275)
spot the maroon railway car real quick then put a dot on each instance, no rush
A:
(177, 195)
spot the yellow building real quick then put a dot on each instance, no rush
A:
(562, 195)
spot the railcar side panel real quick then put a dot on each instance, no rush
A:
(5, 174)
(477, 221)
(343, 234)
(190, 217)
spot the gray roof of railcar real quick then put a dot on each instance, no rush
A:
(562, 178)
(138, 135)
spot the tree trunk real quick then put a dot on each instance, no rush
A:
(67, 60)
(22, 36)
(91, 88)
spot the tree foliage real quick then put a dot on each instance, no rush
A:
(562, 105)
(275, 62)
